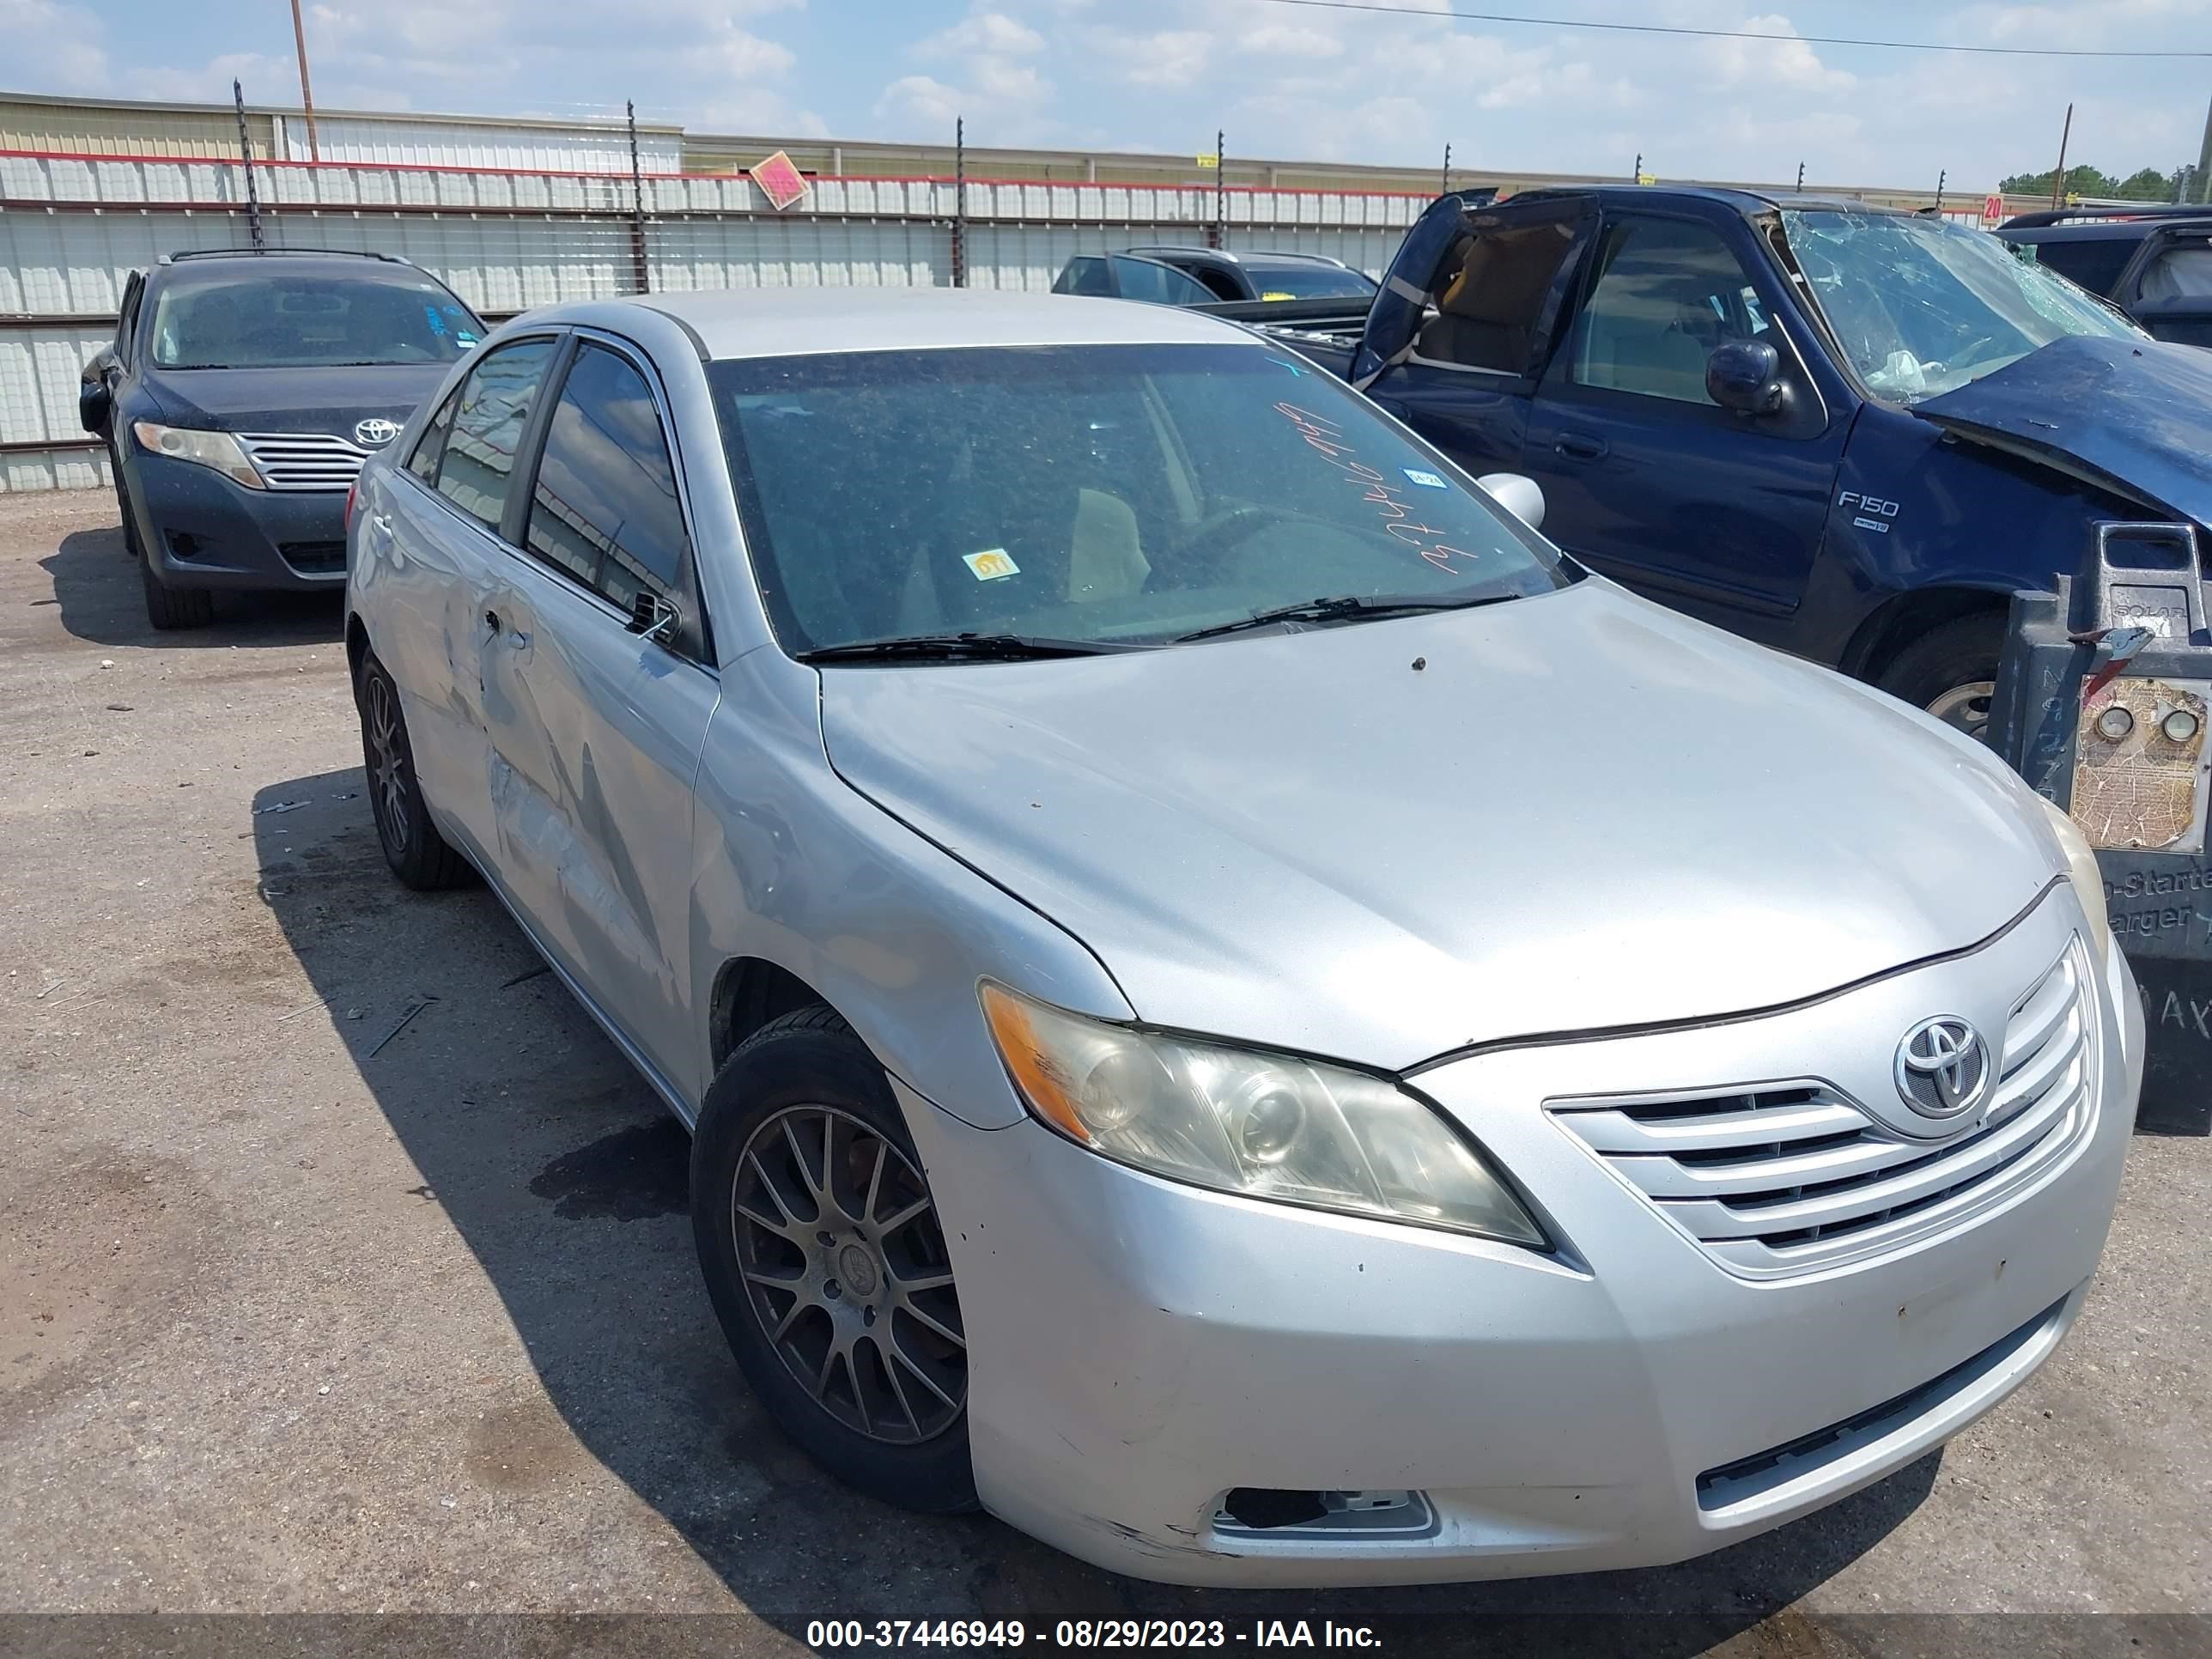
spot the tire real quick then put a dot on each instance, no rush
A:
(172, 608)
(132, 548)
(1950, 670)
(417, 853)
(862, 1362)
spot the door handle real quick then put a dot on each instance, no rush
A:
(1577, 447)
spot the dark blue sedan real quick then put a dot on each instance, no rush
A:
(241, 395)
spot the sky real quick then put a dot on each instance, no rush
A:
(1285, 82)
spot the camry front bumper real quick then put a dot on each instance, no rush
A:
(1140, 1349)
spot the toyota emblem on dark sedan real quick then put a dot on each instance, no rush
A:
(1942, 1067)
(375, 432)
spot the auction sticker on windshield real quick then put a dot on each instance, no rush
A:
(990, 564)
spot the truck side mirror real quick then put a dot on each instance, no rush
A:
(1746, 376)
(1518, 494)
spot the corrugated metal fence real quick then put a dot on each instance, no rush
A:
(72, 228)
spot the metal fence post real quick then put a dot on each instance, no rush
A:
(246, 161)
(641, 267)
(959, 201)
(1220, 192)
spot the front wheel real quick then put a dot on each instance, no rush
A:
(170, 608)
(1951, 671)
(822, 1252)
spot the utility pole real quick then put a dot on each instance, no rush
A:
(1637, 177)
(1941, 173)
(2204, 162)
(1447, 188)
(245, 160)
(2058, 178)
(1801, 175)
(306, 93)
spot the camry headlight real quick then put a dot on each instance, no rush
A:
(2089, 879)
(217, 449)
(1260, 1125)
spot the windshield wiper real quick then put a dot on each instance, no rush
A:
(1344, 607)
(953, 648)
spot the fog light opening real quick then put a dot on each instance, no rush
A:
(1323, 1513)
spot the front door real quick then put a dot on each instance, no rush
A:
(597, 709)
(1645, 478)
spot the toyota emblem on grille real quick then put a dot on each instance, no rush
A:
(376, 431)
(1944, 1067)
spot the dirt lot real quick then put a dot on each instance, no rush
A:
(306, 1311)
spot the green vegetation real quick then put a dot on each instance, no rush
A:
(2148, 185)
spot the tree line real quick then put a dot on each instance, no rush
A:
(2148, 185)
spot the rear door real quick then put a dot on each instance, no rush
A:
(595, 723)
(1644, 476)
(431, 527)
(2169, 289)
(1466, 316)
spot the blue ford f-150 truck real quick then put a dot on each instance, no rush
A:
(1846, 432)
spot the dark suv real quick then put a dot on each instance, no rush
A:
(2155, 263)
(241, 395)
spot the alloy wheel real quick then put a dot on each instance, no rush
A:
(1967, 707)
(387, 763)
(845, 1269)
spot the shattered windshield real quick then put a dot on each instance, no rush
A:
(1922, 307)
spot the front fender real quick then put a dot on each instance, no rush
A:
(794, 866)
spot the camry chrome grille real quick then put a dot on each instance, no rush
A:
(1786, 1177)
(304, 460)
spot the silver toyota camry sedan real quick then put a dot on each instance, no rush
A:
(1238, 1010)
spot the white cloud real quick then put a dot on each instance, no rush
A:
(1163, 58)
(985, 54)
(1784, 62)
(984, 32)
(53, 47)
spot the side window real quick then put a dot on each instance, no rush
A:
(1158, 284)
(423, 463)
(126, 322)
(1219, 283)
(1085, 273)
(2180, 273)
(1668, 294)
(604, 509)
(1490, 295)
(494, 406)
(2092, 263)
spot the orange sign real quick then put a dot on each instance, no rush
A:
(780, 181)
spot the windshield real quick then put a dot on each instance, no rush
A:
(1304, 281)
(294, 320)
(1922, 307)
(1106, 495)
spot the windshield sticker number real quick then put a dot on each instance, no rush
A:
(437, 322)
(1867, 511)
(992, 564)
(1326, 438)
(1426, 480)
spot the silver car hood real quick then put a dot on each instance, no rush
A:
(1583, 811)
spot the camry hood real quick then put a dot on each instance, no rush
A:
(2131, 413)
(1388, 840)
(292, 399)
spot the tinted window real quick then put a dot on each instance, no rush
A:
(1096, 493)
(1158, 284)
(1085, 273)
(2180, 273)
(1667, 294)
(604, 509)
(2094, 265)
(495, 406)
(1305, 282)
(211, 318)
(423, 463)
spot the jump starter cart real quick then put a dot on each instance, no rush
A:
(2101, 703)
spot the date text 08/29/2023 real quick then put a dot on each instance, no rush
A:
(831, 1634)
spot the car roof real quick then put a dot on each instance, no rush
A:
(783, 322)
(1729, 195)
(1250, 255)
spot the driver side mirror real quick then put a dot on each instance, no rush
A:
(1518, 494)
(95, 397)
(1745, 376)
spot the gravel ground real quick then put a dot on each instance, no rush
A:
(304, 1311)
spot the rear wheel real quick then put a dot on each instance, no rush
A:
(1951, 671)
(417, 853)
(822, 1251)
